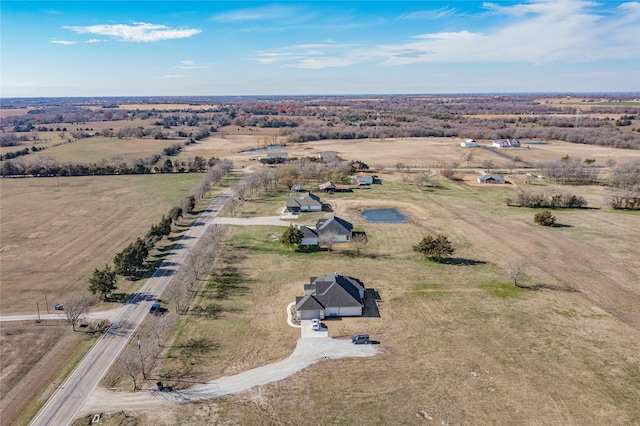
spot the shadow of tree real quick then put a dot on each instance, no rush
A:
(462, 262)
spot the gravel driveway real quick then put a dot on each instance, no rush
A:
(264, 220)
(307, 352)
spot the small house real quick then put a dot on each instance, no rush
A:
(491, 178)
(506, 143)
(331, 187)
(469, 143)
(328, 155)
(362, 178)
(279, 154)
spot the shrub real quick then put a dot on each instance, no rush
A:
(544, 218)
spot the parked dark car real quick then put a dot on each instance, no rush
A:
(59, 307)
(360, 339)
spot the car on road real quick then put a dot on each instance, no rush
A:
(154, 308)
(315, 324)
(360, 339)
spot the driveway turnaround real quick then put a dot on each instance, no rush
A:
(307, 352)
(63, 406)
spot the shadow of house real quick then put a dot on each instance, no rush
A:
(331, 295)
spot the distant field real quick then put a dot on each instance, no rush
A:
(415, 152)
(458, 342)
(55, 231)
(93, 150)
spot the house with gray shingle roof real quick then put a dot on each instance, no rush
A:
(308, 202)
(331, 295)
(343, 231)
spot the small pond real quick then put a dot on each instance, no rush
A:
(269, 148)
(384, 215)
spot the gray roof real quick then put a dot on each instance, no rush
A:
(308, 199)
(332, 291)
(308, 303)
(334, 223)
(487, 177)
(308, 232)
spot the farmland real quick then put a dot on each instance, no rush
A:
(458, 342)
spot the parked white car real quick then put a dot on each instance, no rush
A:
(315, 324)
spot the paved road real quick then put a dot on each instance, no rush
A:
(64, 404)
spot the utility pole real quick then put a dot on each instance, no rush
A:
(144, 374)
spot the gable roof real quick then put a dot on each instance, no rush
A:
(330, 185)
(308, 232)
(335, 224)
(490, 177)
(309, 200)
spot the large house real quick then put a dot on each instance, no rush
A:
(506, 143)
(342, 229)
(491, 178)
(308, 202)
(331, 295)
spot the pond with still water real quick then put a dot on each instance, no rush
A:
(384, 215)
(258, 150)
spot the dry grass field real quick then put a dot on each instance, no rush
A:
(55, 231)
(414, 152)
(458, 343)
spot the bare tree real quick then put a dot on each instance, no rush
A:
(130, 365)
(76, 308)
(516, 270)
(360, 241)
(327, 240)
(488, 165)
(422, 180)
(156, 325)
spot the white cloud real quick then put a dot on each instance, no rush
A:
(66, 42)
(273, 12)
(174, 76)
(189, 65)
(443, 12)
(139, 32)
(536, 32)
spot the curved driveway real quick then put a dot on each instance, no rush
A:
(307, 352)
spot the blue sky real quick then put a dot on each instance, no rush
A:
(149, 48)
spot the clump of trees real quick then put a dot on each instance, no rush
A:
(625, 181)
(548, 198)
(436, 249)
(570, 171)
(544, 218)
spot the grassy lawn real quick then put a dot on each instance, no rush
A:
(459, 344)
